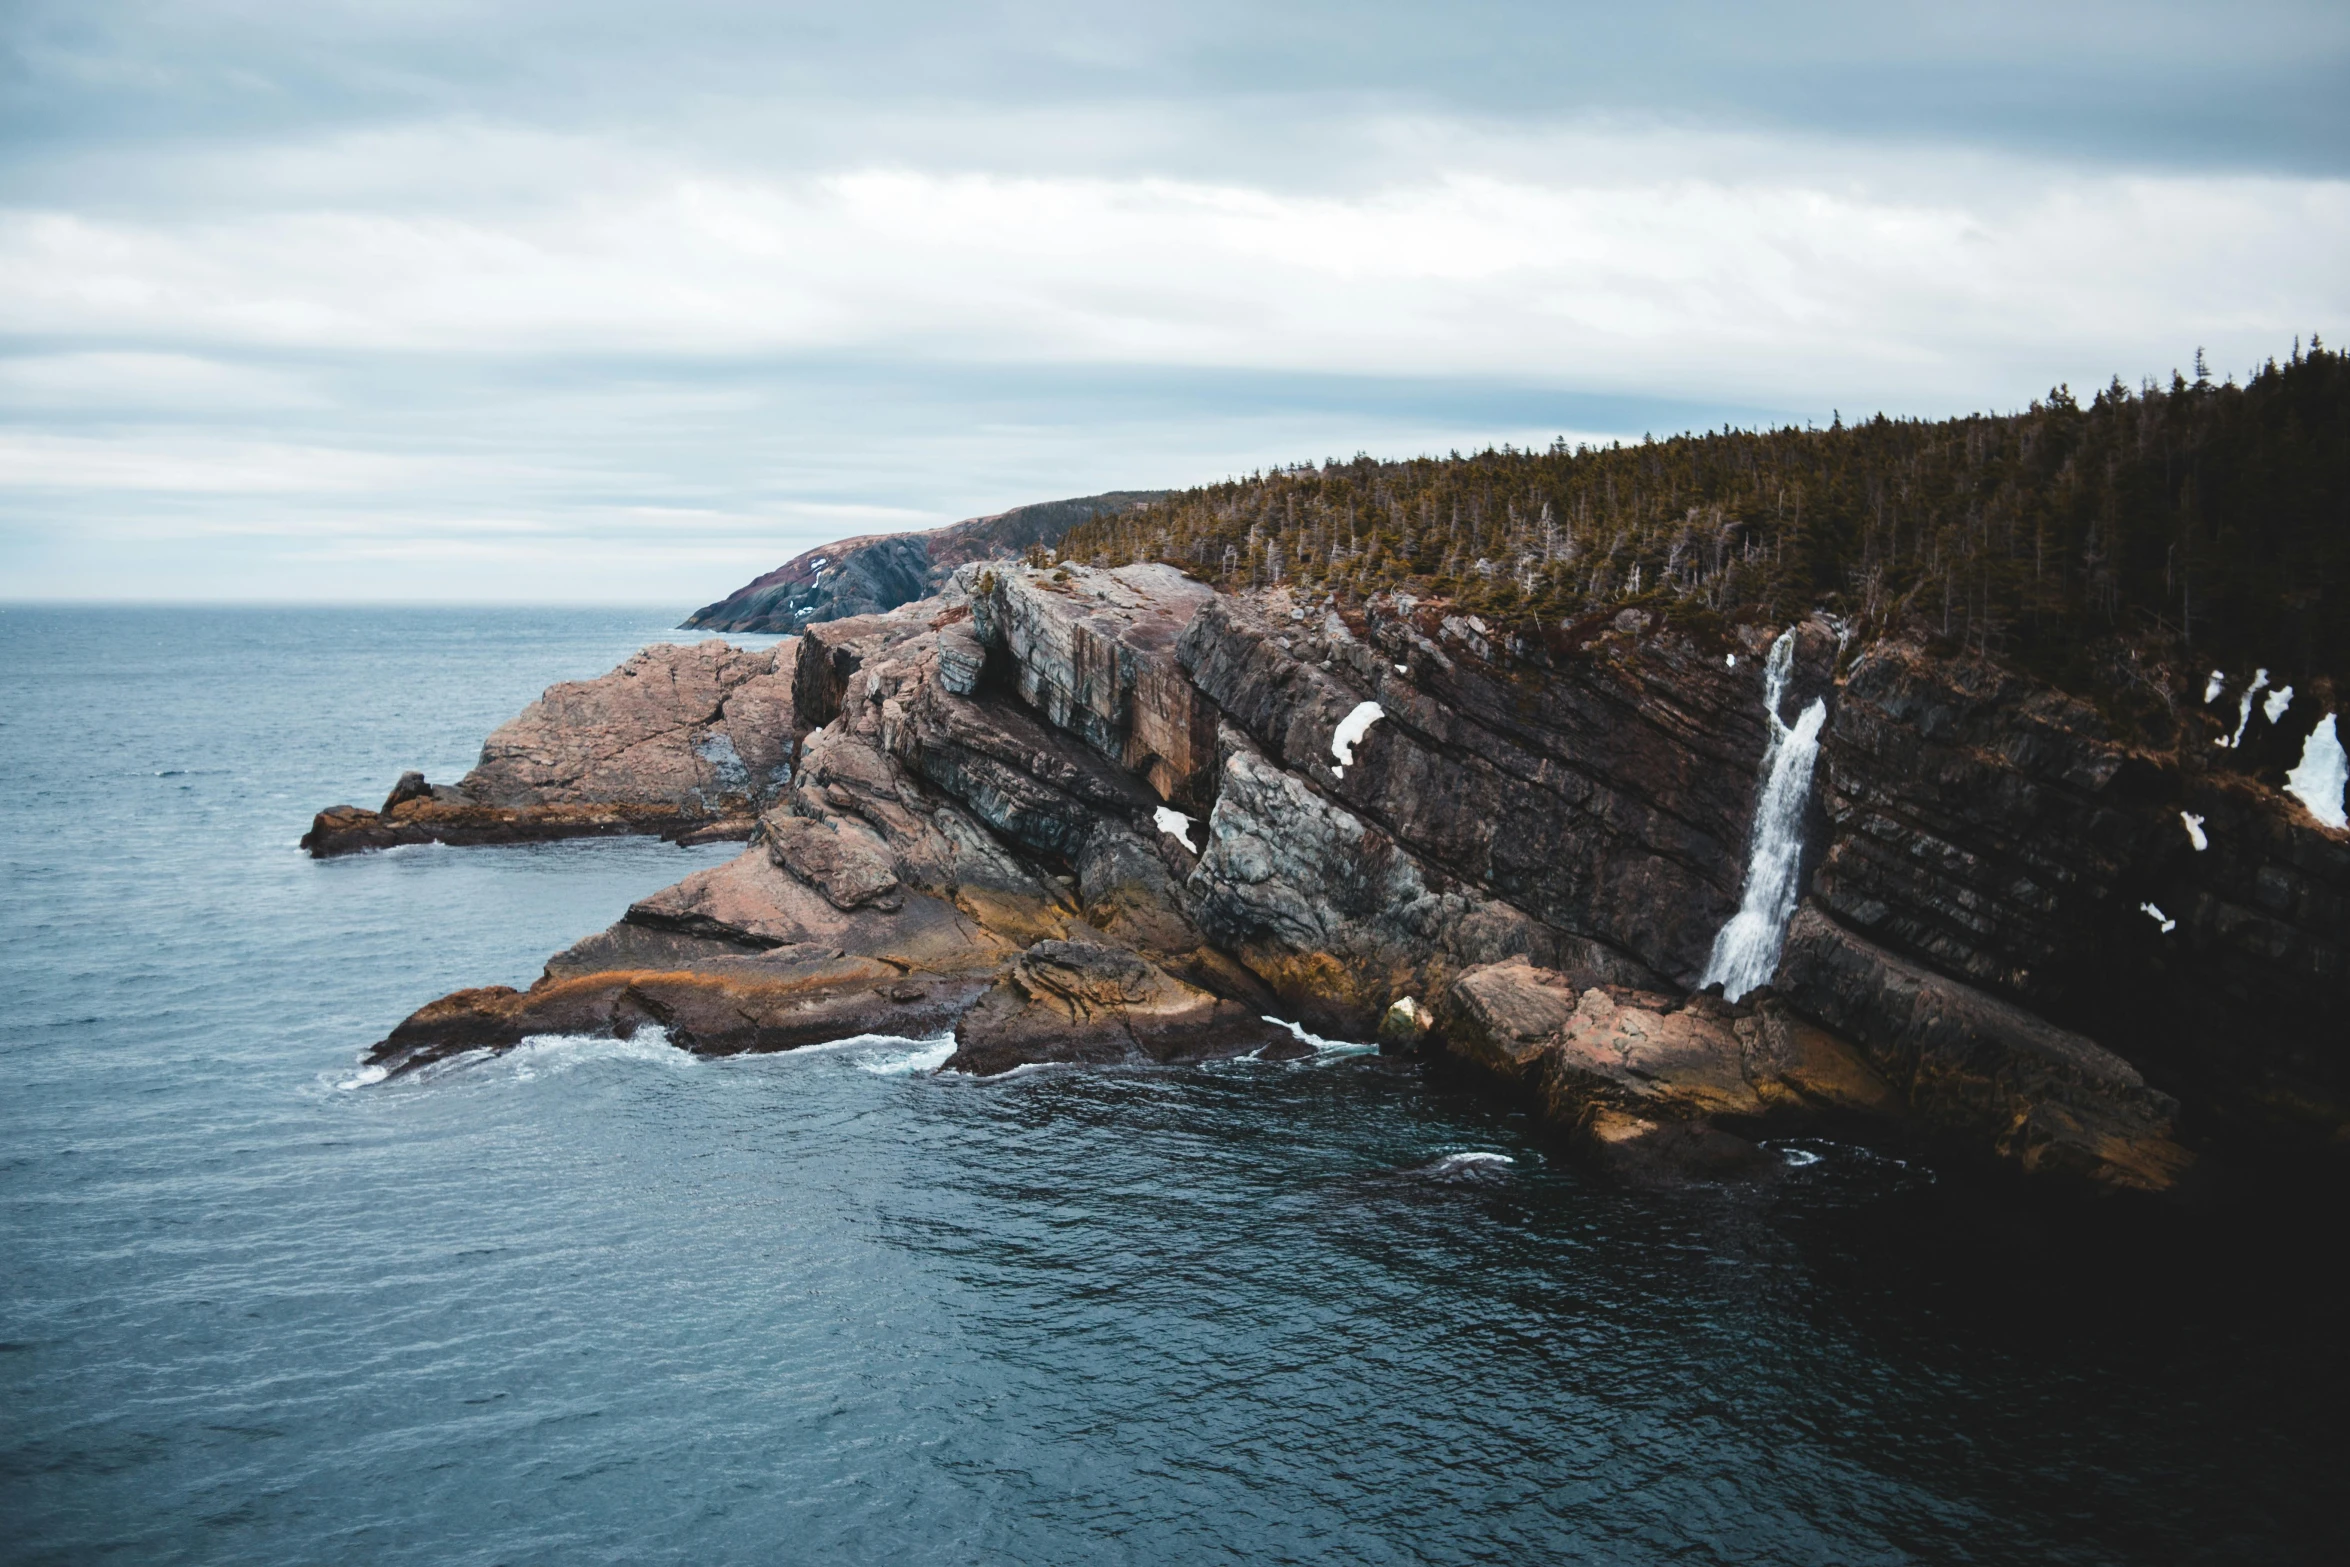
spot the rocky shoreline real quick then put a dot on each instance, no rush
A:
(1108, 816)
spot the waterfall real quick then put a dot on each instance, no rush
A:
(1746, 953)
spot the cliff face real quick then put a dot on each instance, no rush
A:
(1108, 815)
(1988, 830)
(878, 572)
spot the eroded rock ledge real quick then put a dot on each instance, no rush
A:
(1099, 817)
(679, 742)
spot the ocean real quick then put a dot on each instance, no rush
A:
(605, 1302)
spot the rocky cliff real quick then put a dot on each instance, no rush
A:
(1110, 815)
(878, 572)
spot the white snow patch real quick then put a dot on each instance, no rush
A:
(2278, 700)
(2324, 771)
(2244, 712)
(2165, 921)
(2195, 836)
(1730, 659)
(1176, 825)
(2211, 687)
(1403, 669)
(1349, 734)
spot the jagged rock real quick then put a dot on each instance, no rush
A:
(879, 572)
(1094, 653)
(1607, 796)
(1080, 1001)
(1336, 916)
(677, 741)
(848, 864)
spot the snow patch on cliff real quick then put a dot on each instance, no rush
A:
(1349, 734)
(1176, 825)
(2324, 771)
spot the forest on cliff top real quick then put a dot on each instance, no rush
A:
(2207, 520)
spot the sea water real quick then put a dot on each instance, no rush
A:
(602, 1302)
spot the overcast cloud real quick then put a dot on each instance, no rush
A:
(629, 302)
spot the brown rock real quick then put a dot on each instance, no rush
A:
(682, 742)
(722, 1006)
(1639, 1078)
(1081, 1002)
(847, 862)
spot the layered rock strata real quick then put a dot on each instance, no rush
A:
(1108, 816)
(683, 742)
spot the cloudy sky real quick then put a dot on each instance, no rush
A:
(571, 299)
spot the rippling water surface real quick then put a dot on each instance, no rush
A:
(605, 1302)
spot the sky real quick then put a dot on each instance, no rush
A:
(616, 302)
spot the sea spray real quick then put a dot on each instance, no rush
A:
(1746, 953)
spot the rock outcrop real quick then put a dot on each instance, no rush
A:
(683, 742)
(1099, 816)
(879, 572)
(1651, 1082)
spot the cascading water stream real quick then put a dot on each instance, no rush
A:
(1746, 953)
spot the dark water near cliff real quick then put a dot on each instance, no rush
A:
(598, 1302)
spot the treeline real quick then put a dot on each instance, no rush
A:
(2211, 519)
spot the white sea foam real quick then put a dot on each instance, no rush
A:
(2319, 781)
(554, 1054)
(1326, 1047)
(923, 1058)
(365, 1077)
(1452, 1166)
(2194, 825)
(1350, 732)
(1746, 952)
(1176, 825)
